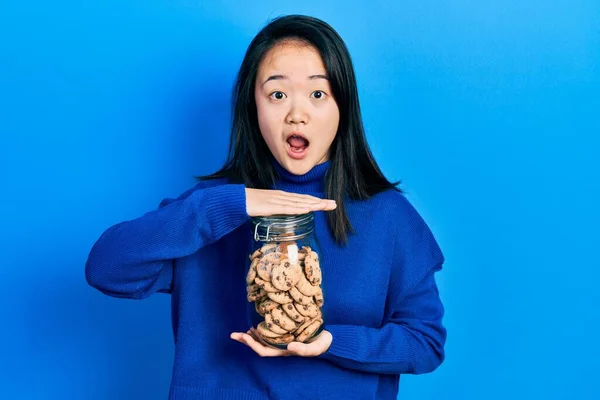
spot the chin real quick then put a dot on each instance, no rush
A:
(298, 167)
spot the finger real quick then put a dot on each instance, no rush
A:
(260, 349)
(322, 205)
(298, 196)
(288, 210)
(306, 350)
(299, 349)
(309, 199)
(304, 197)
(327, 206)
(313, 349)
(297, 199)
(292, 203)
(254, 335)
(236, 336)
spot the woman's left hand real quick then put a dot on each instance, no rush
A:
(319, 346)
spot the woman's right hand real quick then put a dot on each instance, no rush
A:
(265, 202)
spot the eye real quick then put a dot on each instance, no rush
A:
(318, 94)
(277, 95)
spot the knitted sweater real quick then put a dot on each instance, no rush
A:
(382, 304)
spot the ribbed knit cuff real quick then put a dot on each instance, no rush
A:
(225, 207)
(345, 342)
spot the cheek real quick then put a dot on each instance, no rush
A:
(329, 121)
(269, 122)
(264, 119)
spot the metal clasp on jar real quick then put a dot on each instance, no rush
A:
(256, 237)
(279, 236)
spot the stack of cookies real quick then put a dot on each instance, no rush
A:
(285, 284)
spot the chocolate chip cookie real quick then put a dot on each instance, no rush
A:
(285, 275)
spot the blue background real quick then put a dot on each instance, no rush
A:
(487, 110)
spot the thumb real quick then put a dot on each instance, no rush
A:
(298, 348)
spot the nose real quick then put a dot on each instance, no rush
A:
(297, 114)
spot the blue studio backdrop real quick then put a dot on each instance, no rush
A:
(487, 110)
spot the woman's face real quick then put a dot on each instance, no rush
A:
(297, 114)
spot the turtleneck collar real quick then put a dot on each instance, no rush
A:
(311, 182)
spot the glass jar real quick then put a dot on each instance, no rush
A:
(284, 280)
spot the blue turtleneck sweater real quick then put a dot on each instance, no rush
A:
(382, 305)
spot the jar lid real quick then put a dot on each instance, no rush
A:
(283, 228)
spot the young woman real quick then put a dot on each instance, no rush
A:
(297, 146)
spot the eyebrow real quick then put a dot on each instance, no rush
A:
(283, 77)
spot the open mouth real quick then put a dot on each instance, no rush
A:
(297, 143)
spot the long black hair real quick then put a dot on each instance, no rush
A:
(353, 171)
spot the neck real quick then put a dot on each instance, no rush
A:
(311, 182)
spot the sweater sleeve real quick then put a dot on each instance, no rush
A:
(134, 259)
(411, 339)
(410, 342)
